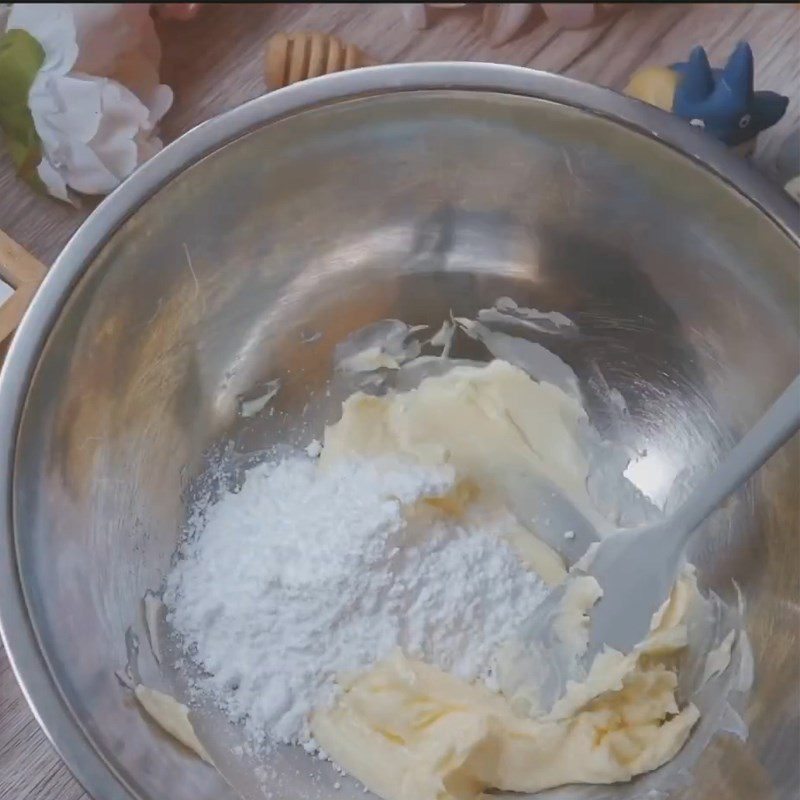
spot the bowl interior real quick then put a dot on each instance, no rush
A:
(408, 206)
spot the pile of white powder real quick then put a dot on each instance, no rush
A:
(305, 574)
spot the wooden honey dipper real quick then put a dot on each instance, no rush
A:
(293, 57)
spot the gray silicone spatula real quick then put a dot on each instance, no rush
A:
(636, 569)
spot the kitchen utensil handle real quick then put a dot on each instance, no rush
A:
(780, 422)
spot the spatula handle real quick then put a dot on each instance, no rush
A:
(780, 422)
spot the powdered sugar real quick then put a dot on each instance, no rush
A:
(307, 574)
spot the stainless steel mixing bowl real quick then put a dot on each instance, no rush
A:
(405, 192)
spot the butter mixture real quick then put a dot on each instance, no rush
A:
(307, 574)
(410, 731)
(375, 604)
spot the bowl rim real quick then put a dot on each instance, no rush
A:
(97, 774)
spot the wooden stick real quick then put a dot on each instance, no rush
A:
(23, 273)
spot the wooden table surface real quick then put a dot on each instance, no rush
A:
(215, 62)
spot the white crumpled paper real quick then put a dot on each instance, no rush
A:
(97, 98)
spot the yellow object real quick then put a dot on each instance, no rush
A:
(409, 731)
(654, 85)
(494, 425)
(293, 57)
(171, 716)
(490, 423)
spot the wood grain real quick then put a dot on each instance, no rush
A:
(215, 62)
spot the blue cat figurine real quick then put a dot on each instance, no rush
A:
(721, 101)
